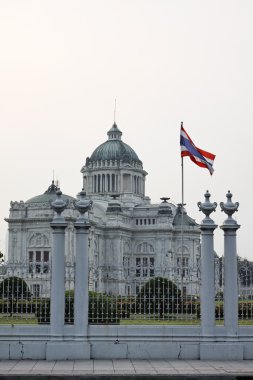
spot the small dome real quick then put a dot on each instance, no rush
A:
(181, 218)
(114, 149)
(49, 195)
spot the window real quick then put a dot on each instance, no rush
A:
(38, 240)
(144, 266)
(151, 266)
(36, 290)
(182, 266)
(126, 266)
(185, 261)
(145, 248)
(38, 256)
(38, 261)
(138, 267)
(46, 256)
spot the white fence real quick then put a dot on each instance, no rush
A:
(82, 325)
(25, 298)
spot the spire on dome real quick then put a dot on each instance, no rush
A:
(114, 133)
(52, 189)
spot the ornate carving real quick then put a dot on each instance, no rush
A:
(17, 205)
(59, 206)
(83, 205)
(144, 248)
(207, 208)
(38, 240)
(229, 208)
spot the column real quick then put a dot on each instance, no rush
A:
(58, 226)
(230, 227)
(207, 290)
(81, 305)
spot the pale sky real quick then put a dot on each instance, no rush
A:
(62, 64)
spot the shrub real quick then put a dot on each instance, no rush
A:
(103, 309)
(15, 293)
(191, 307)
(245, 310)
(14, 288)
(159, 296)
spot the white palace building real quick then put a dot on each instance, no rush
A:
(131, 239)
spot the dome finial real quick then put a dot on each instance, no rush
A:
(114, 133)
(114, 116)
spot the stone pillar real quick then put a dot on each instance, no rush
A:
(81, 306)
(207, 290)
(58, 269)
(230, 227)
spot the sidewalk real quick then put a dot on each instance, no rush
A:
(27, 369)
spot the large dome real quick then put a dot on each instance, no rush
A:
(114, 149)
(49, 195)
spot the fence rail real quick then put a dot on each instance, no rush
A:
(25, 298)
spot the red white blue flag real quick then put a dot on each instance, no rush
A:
(198, 156)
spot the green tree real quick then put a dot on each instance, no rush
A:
(12, 290)
(159, 296)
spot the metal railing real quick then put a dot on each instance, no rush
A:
(25, 294)
(117, 296)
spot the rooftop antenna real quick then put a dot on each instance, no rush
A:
(53, 175)
(115, 104)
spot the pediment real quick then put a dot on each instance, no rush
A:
(127, 166)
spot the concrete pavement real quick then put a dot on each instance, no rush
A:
(29, 369)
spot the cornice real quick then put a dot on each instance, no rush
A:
(31, 220)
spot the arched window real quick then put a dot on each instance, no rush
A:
(145, 248)
(38, 240)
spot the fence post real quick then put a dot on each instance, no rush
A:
(230, 227)
(207, 291)
(81, 296)
(58, 268)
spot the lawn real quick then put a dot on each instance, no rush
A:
(18, 320)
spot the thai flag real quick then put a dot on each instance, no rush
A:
(198, 156)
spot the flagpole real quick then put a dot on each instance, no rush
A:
(182, 172)
(182, 232)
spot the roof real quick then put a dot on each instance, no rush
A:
(48, 195)
(114, 149)
(184, 219)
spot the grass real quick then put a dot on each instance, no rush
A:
(136, 321)
(18, 320)
(159, 322)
